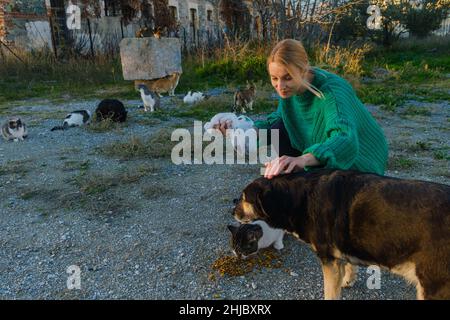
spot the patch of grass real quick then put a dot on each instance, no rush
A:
(18, 167)
(109, 203)
(157, 190)
(206, 109)
(146, 121)
(73, 165)
(28, 194)
(419, 146)
(95, 183)
(104, 125)
(416, 111)
(342, 60)
(401, 163)
(425, 94)
(42, 76)
(441, 155)
(442, 172)
(158, 145)
(389, 97)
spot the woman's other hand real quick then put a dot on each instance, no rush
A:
(223, 126)
(286, 164)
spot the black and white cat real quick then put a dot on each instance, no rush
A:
(14, 129)
(75, 119)
(248, 238)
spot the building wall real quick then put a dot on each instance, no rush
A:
(2, 20)
(26, 24)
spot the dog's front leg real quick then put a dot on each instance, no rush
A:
(333, 273)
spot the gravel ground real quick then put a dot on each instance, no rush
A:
(156, 237)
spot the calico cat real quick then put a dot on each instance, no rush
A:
(75, 119)
(161, 85)
(248, 238)
(150, 99)
(244, 98)
(14, 129)
(111, 109)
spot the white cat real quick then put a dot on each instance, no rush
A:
(235, 122)
(237, 132)
(194, 97)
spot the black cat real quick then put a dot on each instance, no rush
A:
(111, 109)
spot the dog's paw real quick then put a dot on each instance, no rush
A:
(347, 283)
(351, 273)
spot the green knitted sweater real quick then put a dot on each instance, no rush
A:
(337, 129)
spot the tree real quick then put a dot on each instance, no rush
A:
(422, 19)
(236, 17)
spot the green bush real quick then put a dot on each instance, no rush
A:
(252, 68)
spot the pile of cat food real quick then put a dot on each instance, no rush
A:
(233, 266)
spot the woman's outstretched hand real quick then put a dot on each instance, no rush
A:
(286, 164)
(223, 126)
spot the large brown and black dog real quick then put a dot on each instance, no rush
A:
(352, 218)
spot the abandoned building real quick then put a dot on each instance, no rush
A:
(34, 24)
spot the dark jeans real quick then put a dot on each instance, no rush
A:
(286, 148)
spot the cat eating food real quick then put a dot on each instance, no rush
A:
(111, 109)
(76, 118)
(248, 238)
(14, 129)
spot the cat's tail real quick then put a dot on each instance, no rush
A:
(63, 127)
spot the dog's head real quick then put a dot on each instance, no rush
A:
(272, 200)
(262, 199)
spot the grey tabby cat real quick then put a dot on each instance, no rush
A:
(14, 129)
(244, 98)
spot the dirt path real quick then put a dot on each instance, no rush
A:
(144, 228)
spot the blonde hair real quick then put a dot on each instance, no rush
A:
(291, 53)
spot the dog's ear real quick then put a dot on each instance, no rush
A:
(264, 198)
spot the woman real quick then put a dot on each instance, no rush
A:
(322, 122)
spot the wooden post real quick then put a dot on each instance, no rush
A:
(52, 31)
(90, 37)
